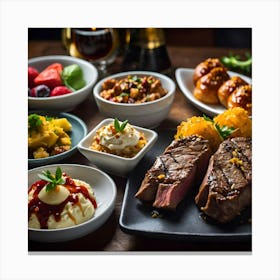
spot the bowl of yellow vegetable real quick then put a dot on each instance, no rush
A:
(52, 137)
(59, 82)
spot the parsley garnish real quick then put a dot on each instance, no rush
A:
(34, 122)
(223, 130)
(120, 127)
(53, 180)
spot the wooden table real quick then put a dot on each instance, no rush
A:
(110, 237)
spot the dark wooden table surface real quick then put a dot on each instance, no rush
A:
(110, 237)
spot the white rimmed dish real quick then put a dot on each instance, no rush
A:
(78, 132)
(110, 163)
(149, 114)
(105, 192)
(66, 102)
(184, 78)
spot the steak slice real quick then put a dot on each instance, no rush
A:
(182, 165)
(227, 186)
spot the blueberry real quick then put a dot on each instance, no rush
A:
(41, 91)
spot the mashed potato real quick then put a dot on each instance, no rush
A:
(53, 209)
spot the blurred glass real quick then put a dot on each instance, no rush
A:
(96, 45)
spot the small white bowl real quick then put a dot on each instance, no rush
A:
(66, 102)
(114, 164)
(105, 192)
(149, 114)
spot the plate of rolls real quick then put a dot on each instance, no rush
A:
(212, 88)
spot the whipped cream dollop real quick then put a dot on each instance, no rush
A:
(55, 196)
(114, 140)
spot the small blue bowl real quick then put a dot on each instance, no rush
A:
(78, 132)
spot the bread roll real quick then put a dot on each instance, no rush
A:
(205, 67)
(241, 97)
(206, 89)
(228, 87)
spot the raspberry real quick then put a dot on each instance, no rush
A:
(60, 90)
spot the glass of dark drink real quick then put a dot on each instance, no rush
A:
(97, 45)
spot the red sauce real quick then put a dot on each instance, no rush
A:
(43, 211)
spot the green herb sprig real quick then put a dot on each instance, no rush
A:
(120, 127)
(34, 122)
(53, 180)
(234, 62)
(223, 130)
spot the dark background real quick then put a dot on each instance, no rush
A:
(216, 37)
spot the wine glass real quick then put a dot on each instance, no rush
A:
(97, 45)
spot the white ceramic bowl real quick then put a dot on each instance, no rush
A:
(78, 132)
(148, 114)
(113, 164)
(105, 193)
(67, 102)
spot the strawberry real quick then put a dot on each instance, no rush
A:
(56, 66)
(32, 74)
(49, 77)
(60, 90)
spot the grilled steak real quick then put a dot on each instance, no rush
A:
(226, 187)
(183, 164)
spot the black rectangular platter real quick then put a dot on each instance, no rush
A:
(187, 223)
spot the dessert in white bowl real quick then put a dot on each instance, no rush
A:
(59, 201)
(103, 188)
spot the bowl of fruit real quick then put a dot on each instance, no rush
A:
(59, 83)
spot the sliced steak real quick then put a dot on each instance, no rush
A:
(182, 165)
(227, 186)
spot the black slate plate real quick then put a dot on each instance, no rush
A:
(187, 223)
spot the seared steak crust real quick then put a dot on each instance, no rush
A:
(226, 187)
(183, 163)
